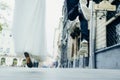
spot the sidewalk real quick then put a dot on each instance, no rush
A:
(58, 74)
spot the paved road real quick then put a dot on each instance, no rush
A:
(58, 74)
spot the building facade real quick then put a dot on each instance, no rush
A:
(104, 22)
(6, 42)
(12, 61)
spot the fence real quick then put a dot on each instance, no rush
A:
(108, 35)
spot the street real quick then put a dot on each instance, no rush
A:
(16, 73)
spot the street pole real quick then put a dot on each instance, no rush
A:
(92, 37)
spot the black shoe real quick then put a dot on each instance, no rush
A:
(28, 60)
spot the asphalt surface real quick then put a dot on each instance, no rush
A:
(16, 73)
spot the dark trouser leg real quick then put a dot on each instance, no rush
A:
(35, 64)
(84, 27)
(72, 9)
(84, 35)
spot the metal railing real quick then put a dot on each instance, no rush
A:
(113, 29)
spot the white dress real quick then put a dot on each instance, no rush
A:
(29, 27)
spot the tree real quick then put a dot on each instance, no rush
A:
(0, 27)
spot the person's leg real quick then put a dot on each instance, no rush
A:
(35, 64)
(28, 60)
(84, 27)
(84, 35)
(72, 9)
(32, 60)
(36, 59)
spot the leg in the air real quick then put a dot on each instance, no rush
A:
(84, 35)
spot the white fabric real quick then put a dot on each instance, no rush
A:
(29, 27)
